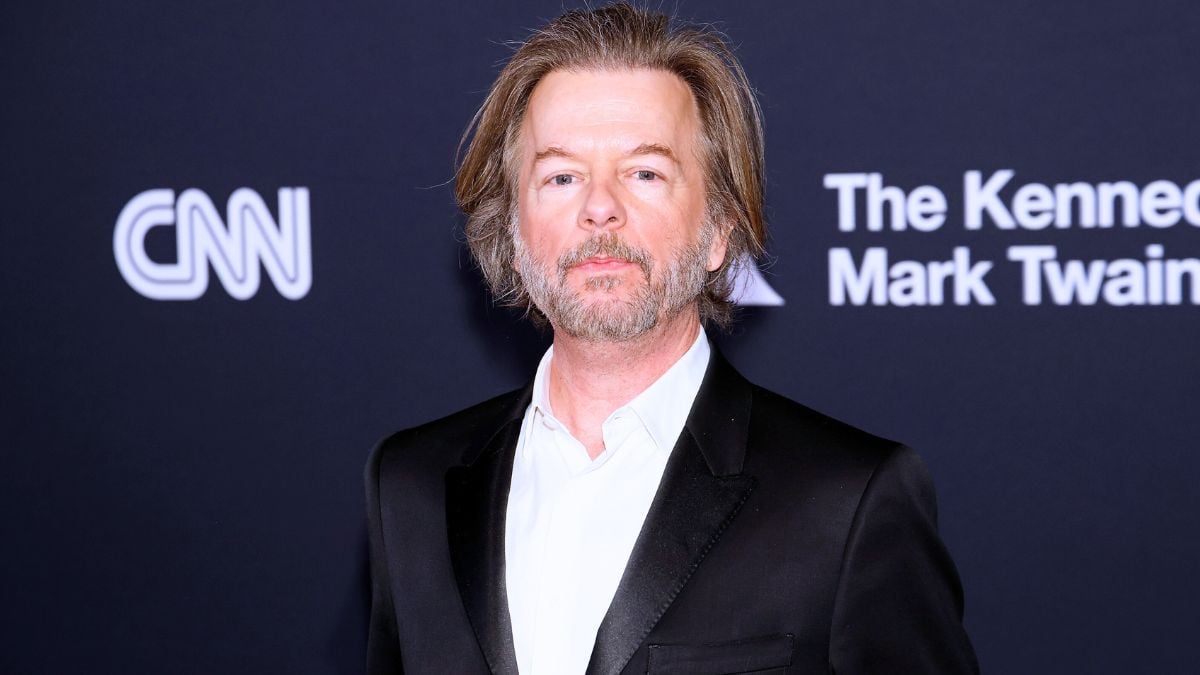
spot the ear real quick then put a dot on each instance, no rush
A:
(718, 248)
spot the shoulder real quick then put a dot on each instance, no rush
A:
(435, 446)
(791, 441)
(786, 444)
(779, 422)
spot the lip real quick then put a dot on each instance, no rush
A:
(602, 264)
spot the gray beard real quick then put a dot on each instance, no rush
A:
(608, 319)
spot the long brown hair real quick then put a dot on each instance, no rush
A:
(616, 37)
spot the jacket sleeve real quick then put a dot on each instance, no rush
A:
(899, 601)
(383, 645)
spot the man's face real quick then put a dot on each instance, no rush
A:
(612, 235)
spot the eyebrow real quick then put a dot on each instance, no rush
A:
(552, 151)
(643, 149)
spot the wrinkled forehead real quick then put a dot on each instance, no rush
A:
(603, 113)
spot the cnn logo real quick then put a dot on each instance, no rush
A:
(238, 247)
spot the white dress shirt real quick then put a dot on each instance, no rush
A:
(572, 521)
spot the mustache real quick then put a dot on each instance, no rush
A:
(608, 245)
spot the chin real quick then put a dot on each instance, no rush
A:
(602, 283)
(609, 300)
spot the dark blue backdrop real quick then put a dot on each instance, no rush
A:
(181, 479)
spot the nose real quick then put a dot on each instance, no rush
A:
(602, 207)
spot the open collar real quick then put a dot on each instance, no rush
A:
(702, 491)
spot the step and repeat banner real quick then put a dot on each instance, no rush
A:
(231, 262)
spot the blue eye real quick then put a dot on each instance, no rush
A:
(645, 174)
(563, 179)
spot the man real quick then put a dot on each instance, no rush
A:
(640, 507)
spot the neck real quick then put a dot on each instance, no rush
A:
(590, 379)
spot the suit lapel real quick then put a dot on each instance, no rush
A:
(702, 490)
(476, 501)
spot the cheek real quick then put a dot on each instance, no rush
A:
(540, 243)
(540, 217)
(670, 229)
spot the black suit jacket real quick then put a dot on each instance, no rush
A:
(779, 540)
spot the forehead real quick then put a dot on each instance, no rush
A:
(601, 110)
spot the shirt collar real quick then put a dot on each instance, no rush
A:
(662, 408)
